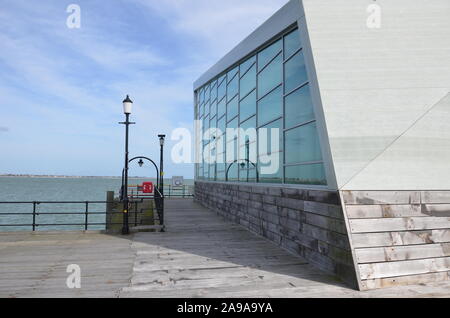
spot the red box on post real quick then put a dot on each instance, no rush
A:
(147, 187)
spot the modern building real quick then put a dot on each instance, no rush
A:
(356, 96)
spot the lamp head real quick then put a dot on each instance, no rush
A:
(141, 163)
(127, 105)
(161, 139)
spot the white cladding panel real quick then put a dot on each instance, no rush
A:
(384, 91)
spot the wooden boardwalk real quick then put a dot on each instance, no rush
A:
(200, 255)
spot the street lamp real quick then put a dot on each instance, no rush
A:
(127, 106)
(161, 163)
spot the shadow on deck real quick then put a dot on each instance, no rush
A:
(200, 255)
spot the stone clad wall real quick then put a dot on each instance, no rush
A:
(308, 223)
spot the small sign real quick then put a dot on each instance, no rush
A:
(147, 187)
(177, 181)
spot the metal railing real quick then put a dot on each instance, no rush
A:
(185, 191)
(79, 211)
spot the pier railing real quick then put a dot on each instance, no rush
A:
(170, 191)
(47, 215)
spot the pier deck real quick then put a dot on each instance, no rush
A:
(200, 255)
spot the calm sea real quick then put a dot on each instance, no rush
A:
(13, 189)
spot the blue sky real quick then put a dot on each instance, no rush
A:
(61, 89)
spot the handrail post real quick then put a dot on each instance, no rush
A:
(34, 216)
(135, 212)
(86, 216)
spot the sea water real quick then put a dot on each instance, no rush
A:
(29, 189)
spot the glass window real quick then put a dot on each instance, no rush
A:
(221, 108)
(247, 173)
(212, 171)
(200, 170)
(270, 107)
(233, 172)
(231, 73)
(232, 109)
(231, 149)
(200, 111)
(269, 171)
(306, 174)
(206, 171)
(233, 124)
(233, 88)
(295, 72)
(207, 93)
(268, 53)
(265, 136)
(214, 91)
(206, 109)
(248, 81)
(221, 79)
(205, 129)
(220, 145)
(213, 122)
(298, 107)
(264, 92)
(220, 176)
(246, 65)
(221, 162)
(248, 106)
(221, 124)
(302, 144)
(201, 96)
(222, 90)
(291, 43)
(271, 76)
(248, 124)
(213, 109)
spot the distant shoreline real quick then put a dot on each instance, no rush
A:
(64, 177)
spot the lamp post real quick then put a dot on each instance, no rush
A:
(127, 106)
(161, 163)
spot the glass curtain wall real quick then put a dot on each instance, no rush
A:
(270, 93)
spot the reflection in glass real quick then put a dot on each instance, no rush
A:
(248, 82)
(271, 76)
(291, 43)
(313, 174)
(298, 107)
(270, 107)
(248, 106)
(302, 144)
(232, 109)
(295, 72)
(268, 53)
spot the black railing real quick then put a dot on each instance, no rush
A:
(83, 215)
(185, 191)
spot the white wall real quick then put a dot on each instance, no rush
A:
(380, 90)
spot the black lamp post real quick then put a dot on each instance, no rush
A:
(161, 163)
(127, 105)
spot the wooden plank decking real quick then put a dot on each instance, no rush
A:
(200, 255)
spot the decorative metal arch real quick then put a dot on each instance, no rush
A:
(154, 164)
(246, 160)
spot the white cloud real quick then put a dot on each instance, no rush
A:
(222, 24)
